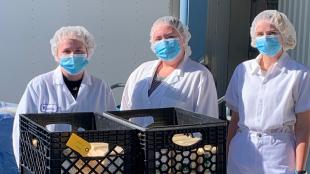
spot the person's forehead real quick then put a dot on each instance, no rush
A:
(164, 28)
(265, 25)
(67, 42)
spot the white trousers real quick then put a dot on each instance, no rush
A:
(252, 152)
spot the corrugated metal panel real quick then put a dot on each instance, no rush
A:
(298, 13)
(217, 42)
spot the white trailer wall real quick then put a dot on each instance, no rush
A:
(121, 29)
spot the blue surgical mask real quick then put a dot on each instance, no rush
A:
(73, 64)
(167, 49)
(268, 45)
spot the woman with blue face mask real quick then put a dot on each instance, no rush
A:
(173, 80)
(68, 88)
(270, 101)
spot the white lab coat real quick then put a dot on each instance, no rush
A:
(48, 93)
(190, 86)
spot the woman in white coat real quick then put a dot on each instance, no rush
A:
(174, 80)
(68, 88)
(270, 99)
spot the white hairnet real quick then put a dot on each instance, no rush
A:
(73, 32)
(178, 26)
(281, 22)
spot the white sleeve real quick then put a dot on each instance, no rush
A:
(126, 99)
(231, 97)
(207, 97)
(302, 103)
(110, 101)
(126, 103)
(27, 104)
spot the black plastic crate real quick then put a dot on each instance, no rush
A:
(160, 141)
(43, 151)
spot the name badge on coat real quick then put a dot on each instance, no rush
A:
(49, 108)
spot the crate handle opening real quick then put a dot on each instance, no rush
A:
(59, 127)
(143, 121)
(185, 139)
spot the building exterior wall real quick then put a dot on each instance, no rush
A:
(298, 11)
(121, 30)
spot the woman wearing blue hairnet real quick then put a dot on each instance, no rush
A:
(174, 80)
(269, 96)
(68, 88)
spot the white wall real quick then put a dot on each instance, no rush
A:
(121, 29)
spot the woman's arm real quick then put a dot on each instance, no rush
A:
(125, 98)
(302, 133)
(27, 104)
(232, 129)
(206, 97)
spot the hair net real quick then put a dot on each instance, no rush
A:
(281, 22)
(178, 26)
(73, 32)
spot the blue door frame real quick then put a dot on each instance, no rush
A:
(193, 13)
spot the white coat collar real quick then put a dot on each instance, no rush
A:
(255, 67)
(174, 76)
(58, 78)
(181, 67)
(179, 71)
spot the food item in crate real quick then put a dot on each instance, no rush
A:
(185, 140)
(199, 160)
(110, 159)
(109, 163)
